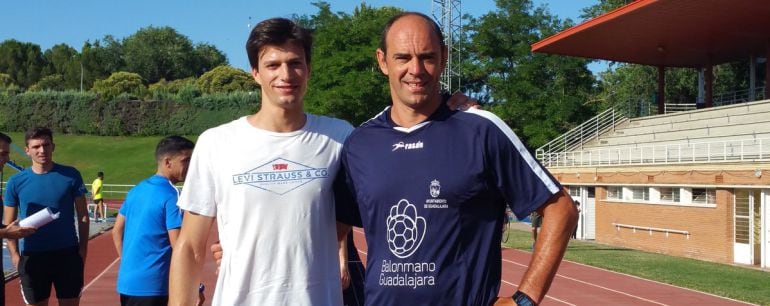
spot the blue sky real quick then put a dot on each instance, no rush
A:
(224, 23)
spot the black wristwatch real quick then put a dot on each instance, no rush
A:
(522, 299)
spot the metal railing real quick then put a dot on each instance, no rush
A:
(111, 191)
(678, 107)
(576, 137)
(650, 229)
(738, 96)
(703, 152)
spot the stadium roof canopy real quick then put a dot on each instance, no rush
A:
(669, 33)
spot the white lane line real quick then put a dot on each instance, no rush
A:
(100, 275)
(594, 285)
(661, 283)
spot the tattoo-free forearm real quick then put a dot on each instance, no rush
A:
(559, 220)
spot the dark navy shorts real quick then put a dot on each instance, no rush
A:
(61, 268)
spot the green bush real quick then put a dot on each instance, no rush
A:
(50, 82)
(224, 79)
(85, 113)
(120, 83)
(165, 90)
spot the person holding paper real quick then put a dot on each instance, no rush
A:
(147, 226)
(12, 230)
(56, 252)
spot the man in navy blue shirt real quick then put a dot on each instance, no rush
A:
(431, 185)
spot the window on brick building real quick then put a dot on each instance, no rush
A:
(704, 196)
(614, 192)
(640, 193)
(670, 194)
(574, 191)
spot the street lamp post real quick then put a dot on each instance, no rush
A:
(81, 74)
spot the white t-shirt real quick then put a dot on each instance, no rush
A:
(274, 202)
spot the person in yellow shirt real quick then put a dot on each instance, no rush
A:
(96, 189)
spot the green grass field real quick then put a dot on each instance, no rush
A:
(744, 284)
(124, 160)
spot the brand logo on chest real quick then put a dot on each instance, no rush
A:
(280, 176)
(407, 146)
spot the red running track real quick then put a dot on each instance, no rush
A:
(101, 274)
(575, 284)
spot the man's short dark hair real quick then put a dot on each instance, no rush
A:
(5, 138)
(100, 174)
(277, 31)
(391, 21)
(37, 133)
(172, 145)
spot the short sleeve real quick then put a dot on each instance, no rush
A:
(345, 204)
(198, 193)
(10, 196)
(173, 213)
(525, 184)
(126, 204)
(79, 188)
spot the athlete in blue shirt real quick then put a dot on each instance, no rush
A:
(55, 253)
(431, 186)
(148, 224)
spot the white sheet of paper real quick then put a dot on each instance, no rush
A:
(39, 218)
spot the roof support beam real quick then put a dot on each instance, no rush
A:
(767, 71)
(709, 86)
(661, 89)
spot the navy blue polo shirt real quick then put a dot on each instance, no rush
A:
(432, 198)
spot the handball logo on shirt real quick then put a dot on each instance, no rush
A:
(407, 146)
(280, 176)
(405, 229)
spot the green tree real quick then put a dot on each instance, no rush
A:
(602, 7)
(119, 83)
(6, 82)
(540, 96)
(64, 61)
(100, 59)
(159, 53)
(22, 61)
(345, 81)
(226, 79)
(207, 57)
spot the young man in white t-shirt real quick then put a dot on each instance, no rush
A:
(268, 180)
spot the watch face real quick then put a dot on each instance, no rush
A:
(522, 299)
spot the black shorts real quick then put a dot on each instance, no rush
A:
(61, 268)
(132, 300)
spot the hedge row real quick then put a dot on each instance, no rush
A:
(84, 113)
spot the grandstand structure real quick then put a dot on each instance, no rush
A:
(686, 181)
